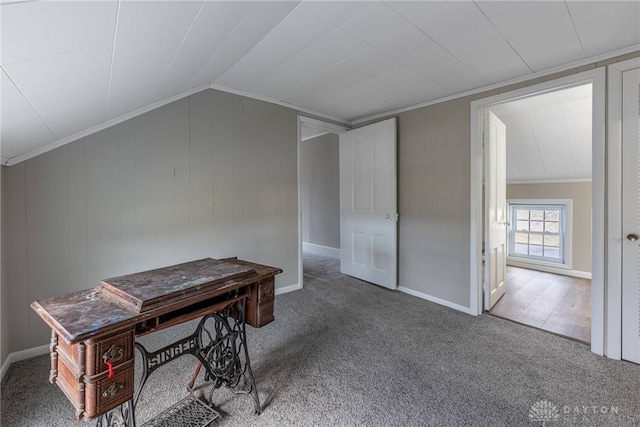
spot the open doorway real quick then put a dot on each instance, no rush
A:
(596, 79)
(548, 211)
(319, 194)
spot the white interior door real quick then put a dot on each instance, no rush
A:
(495, 254)
(631, 215)
(368, 203)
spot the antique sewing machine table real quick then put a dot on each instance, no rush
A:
(93, 334)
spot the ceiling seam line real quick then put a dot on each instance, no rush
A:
(28, 102)
(175, 55)
(573, 24)
(113, 53)
(437, 44)
(566, 131)
(503, 37)
(222, 43)
(535, 138)
(261, 40)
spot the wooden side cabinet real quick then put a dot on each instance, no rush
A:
(82, 371)
(259, 309)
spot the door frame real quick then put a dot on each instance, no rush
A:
(321, 127)
(613, 341)
(596, 77)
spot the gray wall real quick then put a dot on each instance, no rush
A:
(434, 192)
(320, 189)
(211, 175)
(433, 200)
(580, 193)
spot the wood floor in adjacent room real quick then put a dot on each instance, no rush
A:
(555, 303)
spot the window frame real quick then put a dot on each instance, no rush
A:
(566, 233)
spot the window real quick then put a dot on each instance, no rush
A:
(538, 232)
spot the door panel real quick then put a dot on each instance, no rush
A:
(368, 204)
(631, 215)
(495, 149)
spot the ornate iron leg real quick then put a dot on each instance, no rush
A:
(224, 341)
(219, 343)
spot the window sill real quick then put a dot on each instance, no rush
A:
(525, 262)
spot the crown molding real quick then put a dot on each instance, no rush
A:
(591, 60)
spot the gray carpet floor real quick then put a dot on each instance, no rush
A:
(343, 352)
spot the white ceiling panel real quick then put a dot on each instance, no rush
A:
(406, 42)
(36, 29)
(337, 12)
(65, 62)
(339, 45)
(143, 18)
(130, 75)
(455, 76)
(257, 24)
(302, 66)
(69, 112)
(542, 33)
(24, 136)
(278, 47)
(554, 128)
(416, 11)
(581, 152)
(376, 24)
(558, 161)
(76, 75)
(203, 39)
(602, 23)
(513, 171)
(370, 61)
(428, 59)
(577, 109)
(81, 121)
(216, 10)
(14, 106)
(579, 129)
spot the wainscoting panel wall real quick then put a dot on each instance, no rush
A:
(210, 175)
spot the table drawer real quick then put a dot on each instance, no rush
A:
(259, 315)
(117, 350)
(266, 290)
(103, 393)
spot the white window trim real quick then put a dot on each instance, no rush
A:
(568, 232)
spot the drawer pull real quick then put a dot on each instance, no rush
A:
(112, 390)
(268, 291)
(114, 354)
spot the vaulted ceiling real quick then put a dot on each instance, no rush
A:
(71, 68)
(549, 136)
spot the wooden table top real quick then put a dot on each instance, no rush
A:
(120, 302)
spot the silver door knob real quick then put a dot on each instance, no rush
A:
(632, 237)
(387, 216)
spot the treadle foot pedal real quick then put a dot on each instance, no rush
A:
(190, 411)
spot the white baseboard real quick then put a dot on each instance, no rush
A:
(22, 355)
(434, 299)
(286, 289)
(549, 269)
(312, 248)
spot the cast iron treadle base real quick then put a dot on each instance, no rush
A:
(190, 411)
